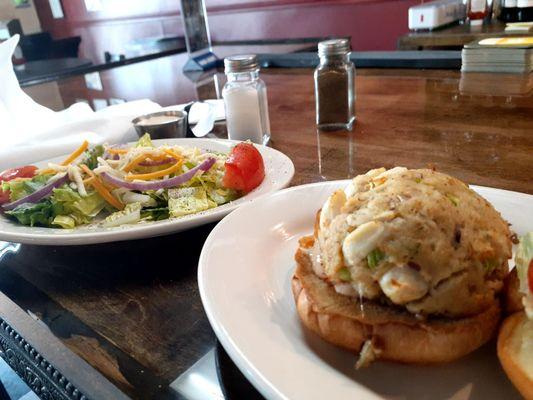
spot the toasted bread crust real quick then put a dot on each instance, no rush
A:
(400, 336)
(507, 355)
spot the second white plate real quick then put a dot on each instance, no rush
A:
(244, 276)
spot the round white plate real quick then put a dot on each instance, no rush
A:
(279, 171)
(244, 276)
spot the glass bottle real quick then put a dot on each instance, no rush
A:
(508, 12)
(334, 86)
(477, 10)
(245, 100)
(524, 10)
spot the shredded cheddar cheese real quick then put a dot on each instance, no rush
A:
(117, 151)
(76, 153)
(156, 174)
(95, 182)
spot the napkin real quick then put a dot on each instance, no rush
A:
(30, 132)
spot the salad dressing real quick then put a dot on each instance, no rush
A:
(158, 120)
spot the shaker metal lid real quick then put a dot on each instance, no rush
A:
(334, 47)
(241, 63)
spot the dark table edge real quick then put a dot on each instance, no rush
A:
(437, 59)
(39, 79)
(151, 56)
(35, 362)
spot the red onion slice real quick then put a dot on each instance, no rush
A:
(162, 184)
(155, 163)
(38, 195)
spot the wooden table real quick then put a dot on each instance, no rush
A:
(452, 37)
(131, 311)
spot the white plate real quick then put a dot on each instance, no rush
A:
(248, 300)
(279, 171)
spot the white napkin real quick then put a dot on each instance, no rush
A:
(30, 132)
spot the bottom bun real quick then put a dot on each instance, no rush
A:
(395, 334)
(509, 350)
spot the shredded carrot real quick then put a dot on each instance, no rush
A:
(156, 174)
(101, 189)
(133, 163)
(117, 151)
(76, 153)
(172, 154)
(48, 171)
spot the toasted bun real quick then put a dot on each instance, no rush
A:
(397, 334)
(508, 353)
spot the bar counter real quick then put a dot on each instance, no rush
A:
(125, 319)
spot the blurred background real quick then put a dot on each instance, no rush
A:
(130, 27)
(71, 51)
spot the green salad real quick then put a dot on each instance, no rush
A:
(116, 185)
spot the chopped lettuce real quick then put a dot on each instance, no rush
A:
(523, 257)
(221, 195)
(65, 209)
(185, 201)
(189, 165)
(34, 214)
(70, 203)
(155, 214)
(134, 197)
(20, 188)
(211, 182)
(145, 141)
(91, 156)
(64, 221)
(161, 199)
(130, 215)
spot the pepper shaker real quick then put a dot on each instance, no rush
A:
(334, 86)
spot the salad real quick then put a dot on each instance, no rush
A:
(116, 185)
(524, 268)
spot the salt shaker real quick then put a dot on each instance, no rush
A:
(334, 86)
(245, 99)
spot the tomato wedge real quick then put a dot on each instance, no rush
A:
(4, 196)
(28, 171)
(245, 169)
(530, 275)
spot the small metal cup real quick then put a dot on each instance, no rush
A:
(176, 128)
